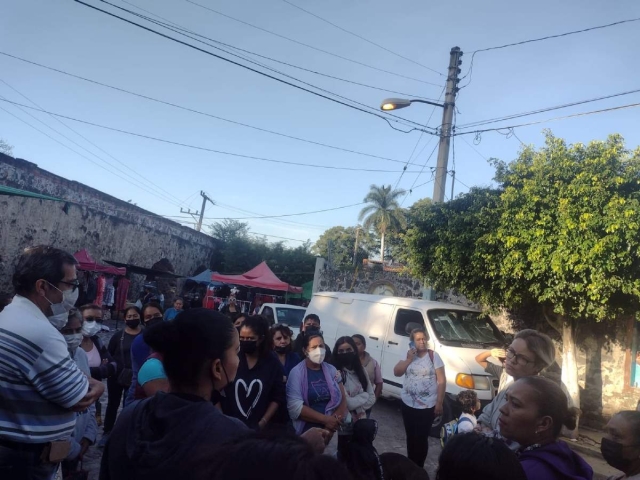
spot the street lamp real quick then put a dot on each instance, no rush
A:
(398, 103)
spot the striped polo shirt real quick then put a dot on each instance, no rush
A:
(39, 382)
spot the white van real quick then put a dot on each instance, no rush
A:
(457, 333)
(290, 315)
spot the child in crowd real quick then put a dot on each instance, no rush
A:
(468, 400)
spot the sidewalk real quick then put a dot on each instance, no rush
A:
(588, 446)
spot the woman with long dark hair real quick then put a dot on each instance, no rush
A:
(281, 336)
(359, 392)
(259, 388)
(119, 348)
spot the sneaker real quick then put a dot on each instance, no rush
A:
(103, 440)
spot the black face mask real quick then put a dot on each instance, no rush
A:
(345, 359)
(282, 350)
(132, 323)
(248, 346)
(312, 330)
(613, 454)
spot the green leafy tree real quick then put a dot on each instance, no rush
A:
(338, 244)
(561, 232)
(383, 213)
(227, 230)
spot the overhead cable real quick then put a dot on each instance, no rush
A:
(362, 38)
(583, 114)
(565, 34)
(166, 194)
(199, 112)
(180, 31)
(197, 147)
(388, 120)
(307, 45)
(271, 59)
(542, 110)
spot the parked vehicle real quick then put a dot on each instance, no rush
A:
(290, 315)
(457, 333)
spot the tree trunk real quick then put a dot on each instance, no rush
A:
(382, 247)
(570, 365)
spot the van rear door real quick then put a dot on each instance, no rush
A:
(396, 344)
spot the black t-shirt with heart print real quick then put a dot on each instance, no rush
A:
(250, 394)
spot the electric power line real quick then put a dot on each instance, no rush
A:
(418, 176)
(388, 120)
(548, 37)
(315, 72)
(180, 31)
(134, 183)
(307, 45)
(583, 114)
(197, 147)
(542, 110)
(361, 37)
(166, 194)
(199, 112)
(275, 236)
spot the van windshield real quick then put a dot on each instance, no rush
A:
(458, 327)
(290, 316)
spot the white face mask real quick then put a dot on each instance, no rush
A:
(60, 311)
(73, 341)
(89, 329)
(317, 355)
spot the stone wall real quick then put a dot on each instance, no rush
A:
(109, 228)
(364, 279)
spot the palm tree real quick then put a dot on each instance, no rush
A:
(383, 212)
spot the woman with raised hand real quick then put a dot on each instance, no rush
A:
(422, 395)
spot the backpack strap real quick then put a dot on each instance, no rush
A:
(431, 356)
(464, 419)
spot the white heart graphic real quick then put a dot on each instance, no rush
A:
(247, 395)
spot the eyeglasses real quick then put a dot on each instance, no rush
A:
(75, 285)
(93, 319)
(520, 359)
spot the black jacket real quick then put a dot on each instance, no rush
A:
(166, 437)
(249, 396)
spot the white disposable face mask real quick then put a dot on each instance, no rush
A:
(73, 341)
(89, 329)
(317, 355)
(60, 311)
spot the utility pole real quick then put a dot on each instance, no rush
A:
(446, 128)
(204, 204)
(355, 248)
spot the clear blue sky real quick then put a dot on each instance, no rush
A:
(68, 36)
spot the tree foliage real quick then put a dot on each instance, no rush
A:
(383, 212)
(240, 252)
(338, 245)
(562, 231)
(6, 148)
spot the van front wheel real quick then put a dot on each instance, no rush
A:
(439, 421)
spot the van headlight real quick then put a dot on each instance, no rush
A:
(473, 382)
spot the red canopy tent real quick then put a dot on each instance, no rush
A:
(260, 276)
(87, 263)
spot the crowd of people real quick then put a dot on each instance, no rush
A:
(212, 395)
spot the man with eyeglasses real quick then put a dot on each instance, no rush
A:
(41, 387)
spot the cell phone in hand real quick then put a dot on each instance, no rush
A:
(412, 345)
